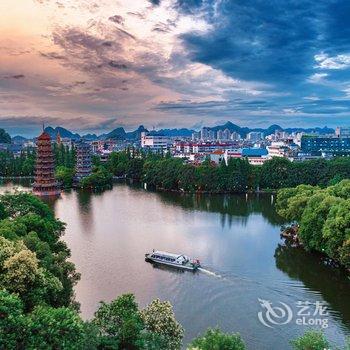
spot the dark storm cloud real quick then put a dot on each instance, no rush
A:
(271, 41)
(190, 6)
(319, 107)
(155, 2)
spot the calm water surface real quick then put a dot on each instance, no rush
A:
(236, 238)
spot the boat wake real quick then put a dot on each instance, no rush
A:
(210, 273)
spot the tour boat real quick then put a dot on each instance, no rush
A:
(179, 261)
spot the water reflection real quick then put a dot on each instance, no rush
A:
(231, 207)
(316, 275)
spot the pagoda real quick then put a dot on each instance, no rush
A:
(45, 183)
(83, 166)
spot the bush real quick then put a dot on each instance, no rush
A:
(214, 339)
(311, 340)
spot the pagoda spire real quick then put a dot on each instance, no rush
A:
(58, 138)
(45, 183)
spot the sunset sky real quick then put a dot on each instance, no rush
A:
(94, 65)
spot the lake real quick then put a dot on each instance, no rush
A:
(237, 239)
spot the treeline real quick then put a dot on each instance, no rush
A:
(11, 166)
(323, 216)
(4, 136)
(236, 176)
(38, 309)
(24, 165)
(165, 172)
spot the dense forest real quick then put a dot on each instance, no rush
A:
(168, 173)
(323, 216)
(237, 176)
(38, 309)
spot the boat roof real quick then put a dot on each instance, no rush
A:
(170, 255)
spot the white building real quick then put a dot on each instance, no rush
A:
(204, 134)
(235, 136)
(220, 135)
(154, 142)
(217, 156)
(211, 135)
(226, 134)
(342, 132)
(232, 153)
(196, 136)
(277, 149)
(254, 136)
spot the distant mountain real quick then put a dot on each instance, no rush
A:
(270, 130)
(18, 139)
(116, 134)
(176, 132)
(120, 133)
(136, 134)
(64, 133)
(232, 127)
(89, 137)
(321, 131)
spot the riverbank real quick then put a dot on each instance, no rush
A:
(4, 178)
(322, 216)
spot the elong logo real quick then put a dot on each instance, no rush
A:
(309, 314)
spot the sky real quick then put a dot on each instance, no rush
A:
(91, 66)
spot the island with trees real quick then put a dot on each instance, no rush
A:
(322, 217)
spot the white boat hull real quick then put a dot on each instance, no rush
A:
(187, 267)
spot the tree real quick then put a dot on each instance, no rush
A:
(323, 216)
(19, 204)
(275, 173)
(214, 339)
(13, 324)
(159, 319)
(3, 213)
(100, 178)
(20, 271)
(120, 323)
(30, 245)
(51, 328)
(65, 175)
(311, 340)
(291, 202)
(4, 136)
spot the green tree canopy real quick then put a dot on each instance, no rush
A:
(214, 339)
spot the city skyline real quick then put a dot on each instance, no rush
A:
(94, 66)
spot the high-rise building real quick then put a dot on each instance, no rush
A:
(226, 134)
(196, 136)
(83, 166)
(220, 135)
(342, 132)
(45, 183)
(204, 134)
(211, 135)
(235, 136)
(154, 142)
(331, 145)
(254, 136)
